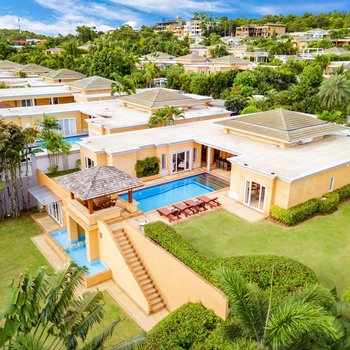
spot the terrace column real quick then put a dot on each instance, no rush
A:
(92, 248)
(90, 206)
(208, 158)
(72, 227)
(130, 196)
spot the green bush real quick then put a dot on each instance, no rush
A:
(187, 326)
(147, 167)
(289, 275)
(344, 193)
(295, 215)
(328, 203)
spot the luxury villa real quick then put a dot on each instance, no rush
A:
(244, 160)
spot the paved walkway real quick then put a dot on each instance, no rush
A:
(146, 322)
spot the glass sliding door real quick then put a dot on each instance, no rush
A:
(55, 210)
(181, 161)
(254, 195)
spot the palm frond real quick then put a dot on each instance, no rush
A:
(97, 342)
(132, 343)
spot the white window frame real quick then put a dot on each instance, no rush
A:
(331, 184)
(248, 183)
(88, 162)
(163, 162)
(55, 211)
(190, 160)
(195, 154)
(68, 126)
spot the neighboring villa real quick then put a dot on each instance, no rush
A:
(63, 76)
(54, 51)
(96, 112)
(253, 30)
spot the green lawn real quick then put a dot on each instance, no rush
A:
(17, 252)
(322, 243)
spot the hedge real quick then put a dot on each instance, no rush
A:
(187, 326)
(289, 275)
(325, 205)
(147, 167)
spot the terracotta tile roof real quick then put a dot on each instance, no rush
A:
(98, 181)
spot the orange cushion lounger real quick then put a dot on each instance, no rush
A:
(212, 202)
(171, 215)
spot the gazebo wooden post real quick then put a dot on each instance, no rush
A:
(90, 206)
(71, 195)
(130, 195)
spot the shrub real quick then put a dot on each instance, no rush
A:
(53, 169)
(295, 215)
(343, 192)
(328, 203)
(188, 325)
(289, 274)
(250, 109)
(147, 167)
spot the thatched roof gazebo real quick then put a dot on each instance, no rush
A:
(99, 181)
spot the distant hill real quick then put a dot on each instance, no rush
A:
(15, 34)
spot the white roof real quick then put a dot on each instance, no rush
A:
(47, 91)
(259, 156)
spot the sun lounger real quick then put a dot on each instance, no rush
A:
(170, 214)
(197, 205)
(185, 209)
(212, 202)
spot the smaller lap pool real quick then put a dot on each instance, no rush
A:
(77, 251)
(71, 139)
(172, 192)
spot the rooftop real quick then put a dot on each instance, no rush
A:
(336, 51)
(281, 125)
(159, 56)
(92, 83)
(98, 181)
(36, 92)
(259, 156)
(230, 59)
(64, 74)
(192, 57)
(32, 68)
(160, 97)
(8, 64)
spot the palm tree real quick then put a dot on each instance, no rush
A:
(150, 73)
(296, 321)
(122, 85)
(43, 313)
(165, 116)
(335, 92)
(173, 114)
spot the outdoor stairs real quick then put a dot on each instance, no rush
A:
(137, 268)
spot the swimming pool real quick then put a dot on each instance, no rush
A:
(171, 192)
(77, 251)
(71, 139)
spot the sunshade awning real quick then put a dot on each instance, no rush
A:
(44, 195)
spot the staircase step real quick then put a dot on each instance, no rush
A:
(156, 300)
(146, 283)
(158, 307)
(153, 296)
(144, 277)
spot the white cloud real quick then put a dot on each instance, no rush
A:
(132, 24)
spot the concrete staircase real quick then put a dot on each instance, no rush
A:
(138, 270)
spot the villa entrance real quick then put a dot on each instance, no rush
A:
(55, 210)
(254, 195)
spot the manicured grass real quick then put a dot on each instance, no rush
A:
(322, 243)
(126, 328)
(63, 172)
(17, 252)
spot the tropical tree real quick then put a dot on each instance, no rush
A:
(123, 85)
(150, 72)
(165, 116)
(54, 143)
(44, 313)
(335, 93)
(306, 320)
(236, 103)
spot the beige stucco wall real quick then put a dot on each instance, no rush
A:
(177, 283)
(121, 274)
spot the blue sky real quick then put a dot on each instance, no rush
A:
(62, 16)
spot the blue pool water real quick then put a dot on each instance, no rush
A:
(168, 193)
(78, 252)
(71, 139)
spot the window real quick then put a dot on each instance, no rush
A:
(26, 103)
(53, 100)
(163, 162)
(331, 184)
(55, 210)
(195, 154)
(68, 126)
(89, 163)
